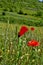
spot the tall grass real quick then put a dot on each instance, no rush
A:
(14, 51)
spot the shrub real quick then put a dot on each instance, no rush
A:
(20, 12)
(5, 10)
(25, 13)
(11, 10)
(3, 13)
(39, 13)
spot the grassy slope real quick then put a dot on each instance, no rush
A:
(21, 53)
(25, 6)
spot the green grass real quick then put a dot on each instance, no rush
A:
(21, 19)
(16, 52)
(30, 7)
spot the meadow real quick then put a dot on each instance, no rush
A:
(14, 51)
(23, 12)
(14, 47)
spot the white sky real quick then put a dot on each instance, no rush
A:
(40, 0)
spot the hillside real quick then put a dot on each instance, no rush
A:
(21, 32)
(26, 11)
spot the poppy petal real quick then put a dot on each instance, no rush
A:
(32, 28)
(22, 30)
(33, 43)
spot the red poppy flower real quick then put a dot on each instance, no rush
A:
(33, 43)
(32, 28)
(22, 31)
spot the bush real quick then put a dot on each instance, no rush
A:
(11, 10)
(20, 12)
(5, 10)
(25, 13)
(3, 13)
(39, 13)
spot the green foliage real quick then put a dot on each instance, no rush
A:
(39, 13)
(21, 20)
(31, 10)
(25, 13)
(5, 9)
(20, 12)
(3, 13)
(14, 53)
(11, 10)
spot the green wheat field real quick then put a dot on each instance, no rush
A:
(14, 53)
(13, 15)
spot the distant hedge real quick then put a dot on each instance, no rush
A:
(21, 21)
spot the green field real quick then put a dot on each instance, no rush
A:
(13, 52)
(13, 15)
(23, 12)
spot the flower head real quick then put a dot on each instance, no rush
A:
(32, 28)
(8, 51)
(33, 60)
(33, 43)
(39, 50)
(22, 31)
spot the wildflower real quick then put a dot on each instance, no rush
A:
(8, 51)
(32, 28)
(22, 31)
(24, 56)
(39, 50)
(33, 43)
(3, 48)
(11, 43)
(33, 60)
(24, 41)
(12, 59)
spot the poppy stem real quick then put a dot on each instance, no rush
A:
(18, 40)
(16, 31)
(32, 49)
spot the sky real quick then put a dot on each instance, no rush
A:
(40, 0)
